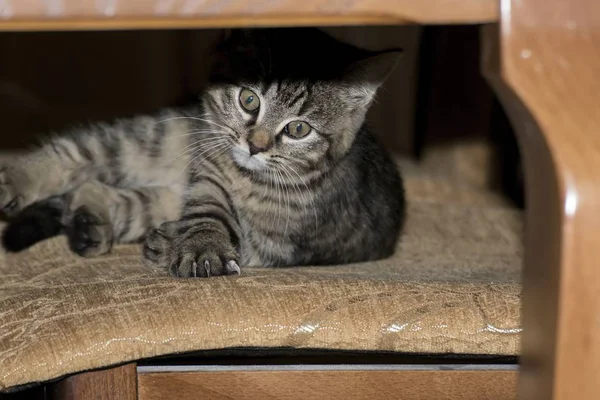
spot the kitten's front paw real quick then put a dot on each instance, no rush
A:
(203, 253)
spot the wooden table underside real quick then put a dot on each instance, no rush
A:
(139, 14)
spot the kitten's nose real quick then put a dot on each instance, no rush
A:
(253, 149)
(259, 141)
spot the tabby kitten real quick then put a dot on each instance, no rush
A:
(274, 167)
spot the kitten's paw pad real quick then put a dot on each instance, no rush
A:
(199, 255)
(89, 235)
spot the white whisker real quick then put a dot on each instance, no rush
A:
(215, 153)
(225, 150)
(196, 145)
(197, 132)
(214, 146)
(195, 119)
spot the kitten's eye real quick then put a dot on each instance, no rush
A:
(249, 100)
(298, 129)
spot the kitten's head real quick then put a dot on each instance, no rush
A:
(291, 99)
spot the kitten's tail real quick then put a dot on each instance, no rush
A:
(36, 222)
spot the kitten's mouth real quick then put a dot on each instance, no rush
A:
(244, 160)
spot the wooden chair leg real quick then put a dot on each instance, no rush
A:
(543, 61)
(119, 383)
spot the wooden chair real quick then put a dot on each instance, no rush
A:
(543, 60)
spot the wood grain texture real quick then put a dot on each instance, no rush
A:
(546, 71)
(118, 383)
(76, 14)
(85, 24)
(329, 385)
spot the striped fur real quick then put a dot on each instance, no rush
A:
(192, 185)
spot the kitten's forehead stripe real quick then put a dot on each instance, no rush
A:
(300, 96)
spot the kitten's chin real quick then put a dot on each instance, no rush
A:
(244, 160)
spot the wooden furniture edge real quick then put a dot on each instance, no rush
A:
(332, 382)
(150, 14)
(542, 60)
(128, 382)
(329, 385)
(85, 24)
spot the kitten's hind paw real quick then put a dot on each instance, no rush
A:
(89, 234)
(35, 223)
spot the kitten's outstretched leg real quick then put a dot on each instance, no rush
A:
(94, 216)
(37, 222)
(99, 215)
(30, 177)
(134, 152)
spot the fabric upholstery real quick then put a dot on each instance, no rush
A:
(452, 287)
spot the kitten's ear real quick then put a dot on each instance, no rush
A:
(364, 77)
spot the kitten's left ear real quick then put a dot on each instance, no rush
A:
(367, 75)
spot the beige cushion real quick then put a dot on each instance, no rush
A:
(452, 287)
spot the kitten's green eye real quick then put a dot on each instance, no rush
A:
(298, 129)
(249, 100)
